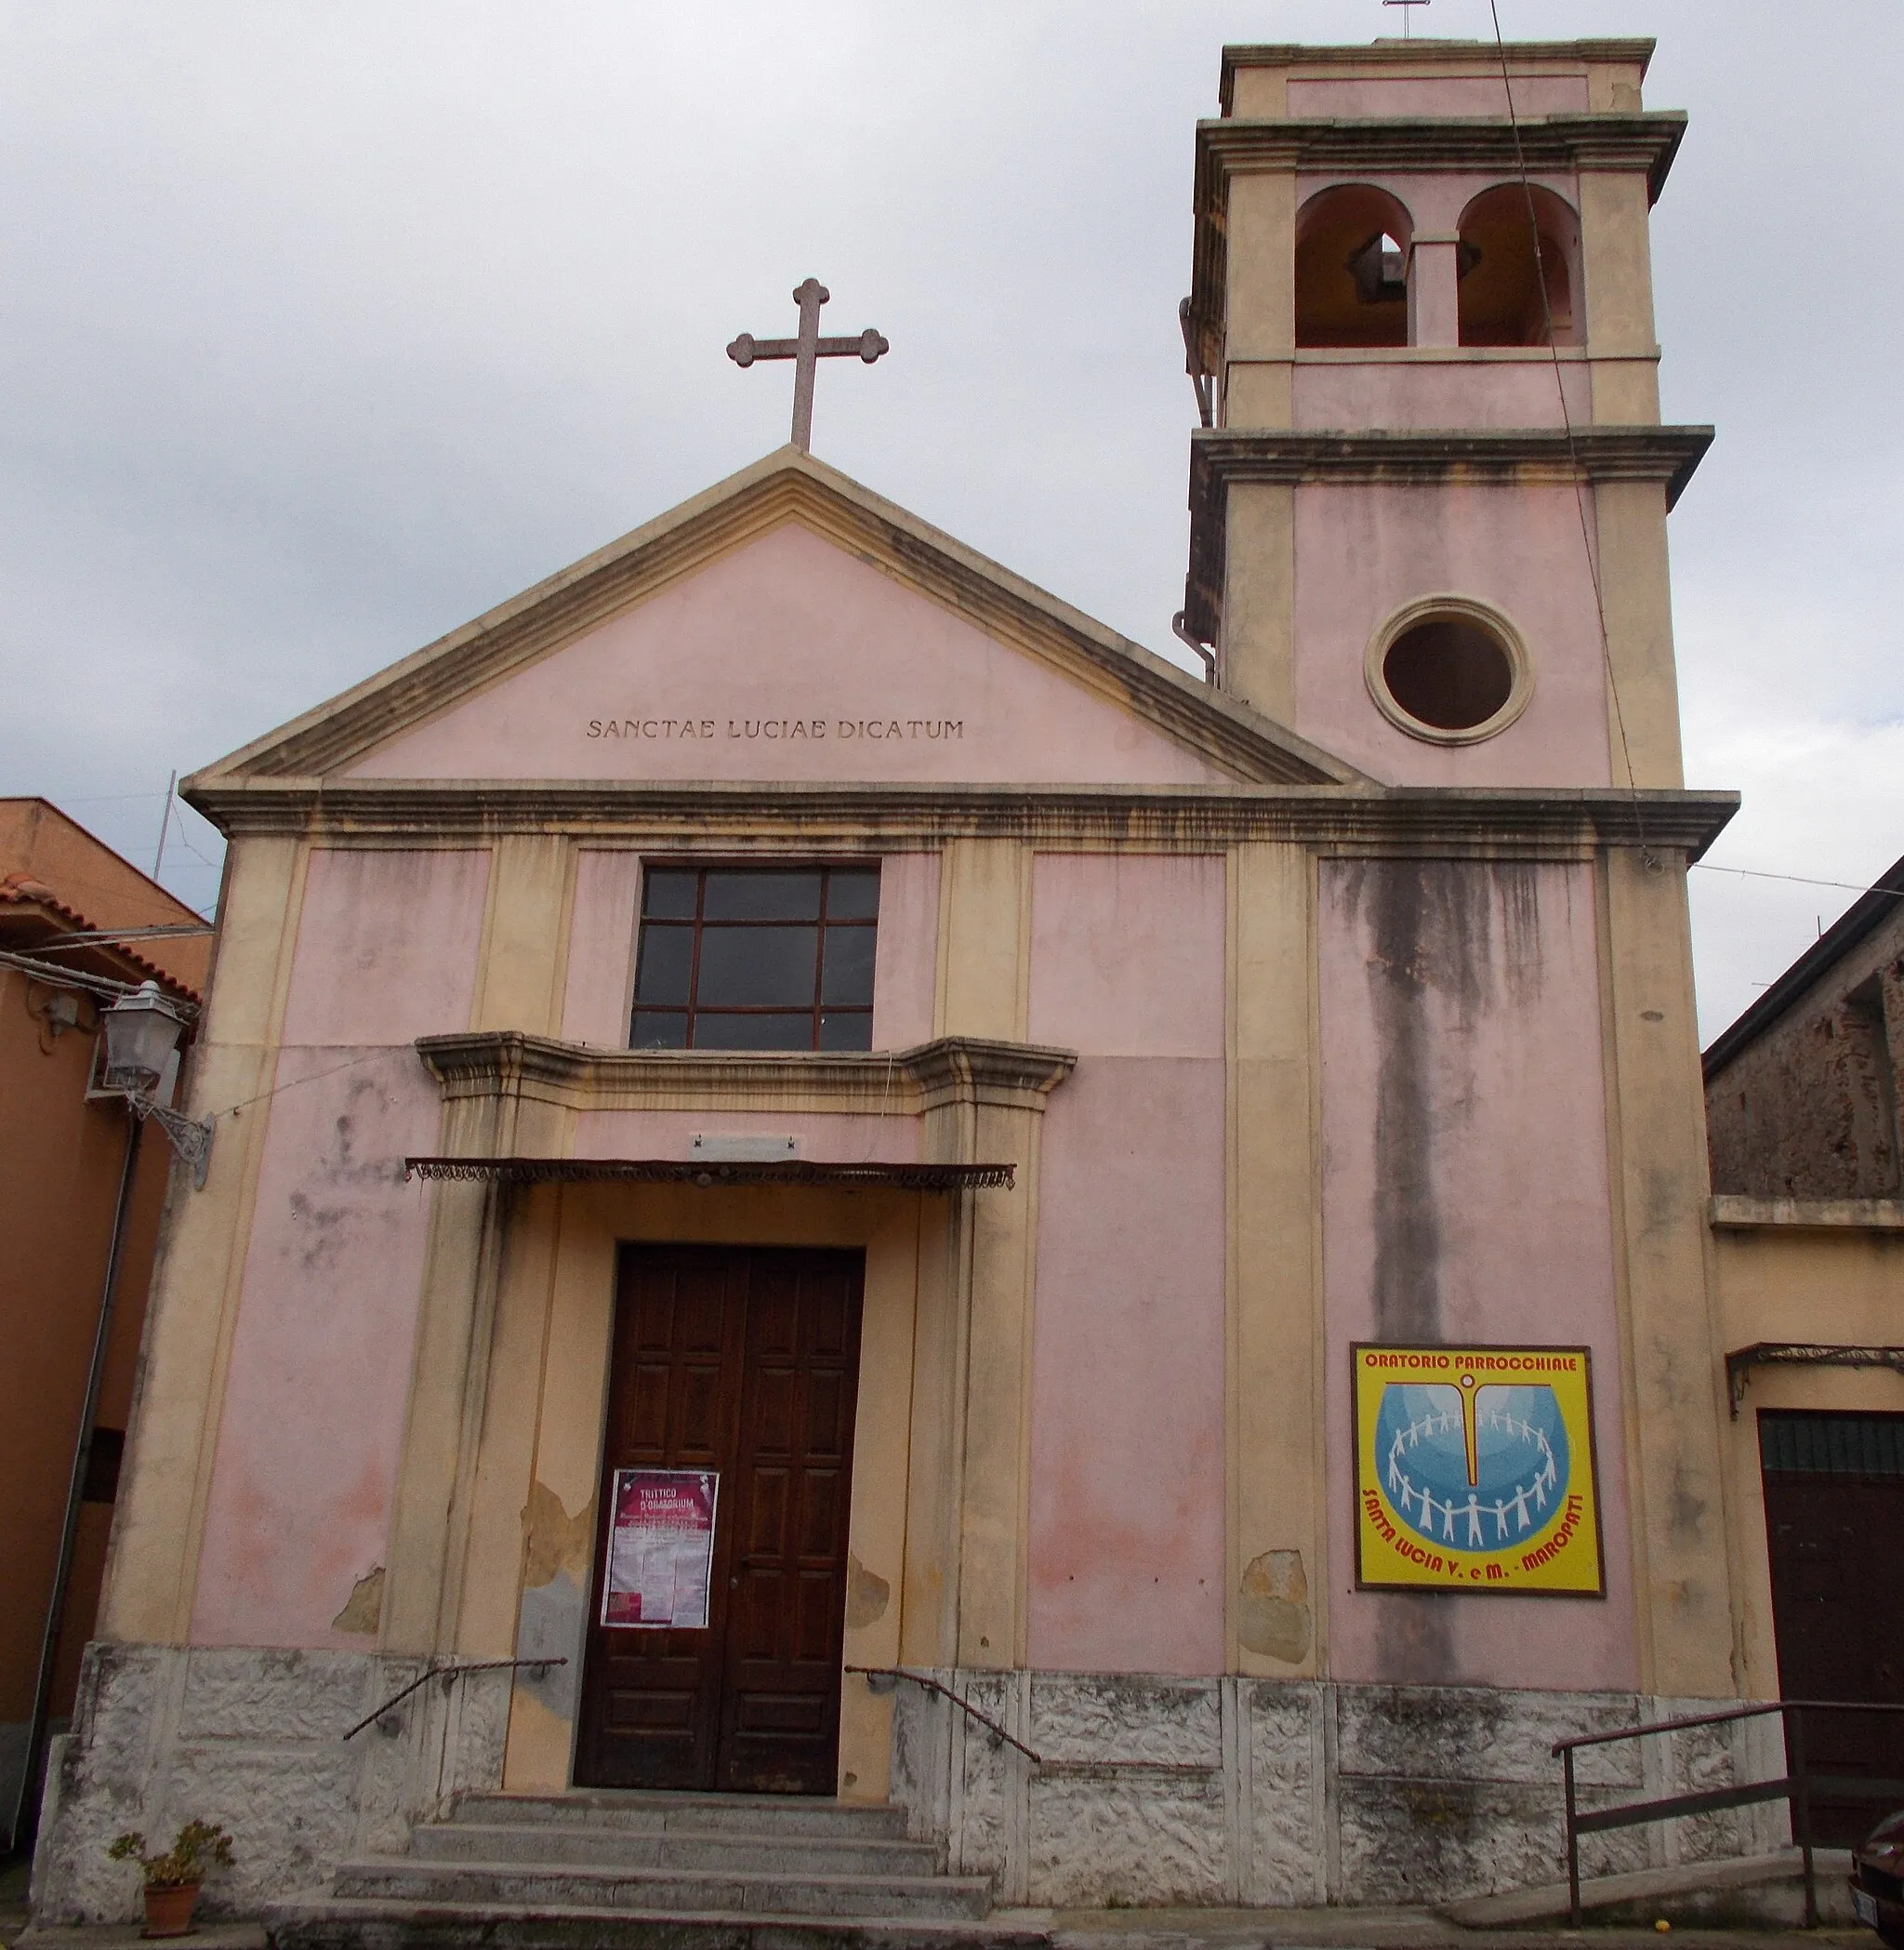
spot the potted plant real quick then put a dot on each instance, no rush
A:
(172, 1879)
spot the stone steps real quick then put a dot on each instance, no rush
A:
(684, 1849)
(632, 1811)
(615, 1886)
(662, 1871)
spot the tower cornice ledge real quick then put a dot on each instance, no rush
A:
(1431, 51)
(1220, 455)
(1591, 139)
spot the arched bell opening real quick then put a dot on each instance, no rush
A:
(1519, 269)
(1352, 264)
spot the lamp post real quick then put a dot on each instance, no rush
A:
(143, 1030)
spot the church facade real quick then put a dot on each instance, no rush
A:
(798, 1119)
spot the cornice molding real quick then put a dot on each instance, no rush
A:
(950, 1072)
(785, 486)
(1519, 822)
(1602, 140)
(1424, 56)
(1220, 455)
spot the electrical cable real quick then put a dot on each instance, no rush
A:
(1649, 859)
(1801, 880)
(316, 1076)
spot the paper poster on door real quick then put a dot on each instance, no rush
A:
(660, 1548)
(1474, 1470)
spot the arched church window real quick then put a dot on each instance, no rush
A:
(1510, 290)
(1450, 671)
(1352, 262)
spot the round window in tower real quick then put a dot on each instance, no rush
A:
(1448, 669)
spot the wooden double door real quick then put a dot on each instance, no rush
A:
(742, 1363)
(1834, 1516)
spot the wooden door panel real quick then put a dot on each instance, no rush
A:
(1837, 1597)
(782, 1720)
(651, 1699)
(744, 1363)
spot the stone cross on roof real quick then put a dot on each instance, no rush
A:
(806, 351)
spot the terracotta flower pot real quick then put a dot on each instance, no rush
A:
(168, 1909)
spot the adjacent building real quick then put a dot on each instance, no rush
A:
(1801, 1113)
(64, 1155)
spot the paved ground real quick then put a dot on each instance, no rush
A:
(1188, 1929)
(1163, 1930)
(1396, 1929)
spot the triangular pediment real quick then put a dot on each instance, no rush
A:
(786, 625)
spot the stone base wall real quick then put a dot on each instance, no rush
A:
(1262, 1792)
(1148, 1791)
(252, 1739)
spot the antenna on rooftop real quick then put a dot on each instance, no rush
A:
(1408, 15)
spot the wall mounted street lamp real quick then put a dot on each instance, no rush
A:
(142, 1032)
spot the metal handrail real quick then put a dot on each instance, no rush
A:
(930, 1684)
(449, 1675)
(1795, 1788)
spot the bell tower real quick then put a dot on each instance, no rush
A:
(1428, 508)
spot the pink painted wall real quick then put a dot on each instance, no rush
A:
(1365, 548)
(1127, 1456)
(833, 1138)
(727, 672)
(319, 1367)
(1465, 1200)
(1475, 388)
(1443, 94)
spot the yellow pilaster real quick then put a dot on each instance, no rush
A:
(153, 1571)
(1675, 1390)
(1259, 302)
(1277, 1579)
(1636, 587)
(1619, 277)
(531, 885)
(1258, 651)
(985, 910)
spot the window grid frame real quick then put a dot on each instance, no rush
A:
(692, 1010)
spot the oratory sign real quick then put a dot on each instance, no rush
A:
(1475, 1469)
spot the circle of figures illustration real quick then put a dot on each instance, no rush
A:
(1472, 1468)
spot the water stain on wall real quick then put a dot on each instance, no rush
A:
(1447, 946)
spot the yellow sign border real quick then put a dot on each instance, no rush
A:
(1569, 1546)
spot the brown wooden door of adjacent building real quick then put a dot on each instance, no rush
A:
(744, 1362)
(1834, 1513)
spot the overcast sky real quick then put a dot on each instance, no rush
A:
(323, 327)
